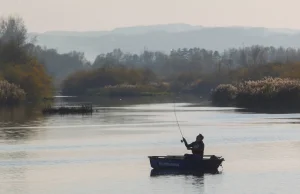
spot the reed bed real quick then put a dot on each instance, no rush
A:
(10, 93)
(265, 92)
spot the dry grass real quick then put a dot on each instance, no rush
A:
(267, 91)
(10, 93)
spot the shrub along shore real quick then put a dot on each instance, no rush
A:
(267, 92)
(10, 93)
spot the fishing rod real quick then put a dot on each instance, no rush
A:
(177, 121)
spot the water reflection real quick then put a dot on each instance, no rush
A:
(272, 110)
(193, 181)
(19, 117)
(14, 176)
(74, 153)
(128, 101)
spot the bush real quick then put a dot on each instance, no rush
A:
(10, 93)
(281, 91)
(224, 93)
(264, 92)
(116, 79)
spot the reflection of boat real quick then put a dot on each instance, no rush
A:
(209, 163)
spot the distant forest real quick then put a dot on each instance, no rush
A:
(173, 63)
(182, 69)
(35, 69)
(198, 59)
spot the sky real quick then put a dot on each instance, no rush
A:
(95, 15)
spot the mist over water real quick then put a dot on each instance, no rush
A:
(106, 152)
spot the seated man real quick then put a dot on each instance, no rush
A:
(197, 146)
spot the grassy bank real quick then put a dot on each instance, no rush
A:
(267, 92)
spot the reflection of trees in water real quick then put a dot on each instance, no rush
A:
(270, 110)
(120, 101)
(111, 116)
(16, 133)
(121, 116)
(15, 122)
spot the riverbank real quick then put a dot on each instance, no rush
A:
(265, 93)
(126, 90)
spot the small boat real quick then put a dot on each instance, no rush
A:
(209, 163)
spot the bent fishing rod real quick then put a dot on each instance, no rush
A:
(178, 122)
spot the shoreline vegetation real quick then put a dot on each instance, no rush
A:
(10, 93)
(22, 77)
(29, 73)
(265, 93)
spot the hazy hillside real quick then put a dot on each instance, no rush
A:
(166, 37)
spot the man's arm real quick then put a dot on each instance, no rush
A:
(188, 146)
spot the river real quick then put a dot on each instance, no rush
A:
(106, 152)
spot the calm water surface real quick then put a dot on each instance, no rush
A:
(107, 152)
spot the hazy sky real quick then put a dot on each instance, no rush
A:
(84, 15)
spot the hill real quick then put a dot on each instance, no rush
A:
(166, 37)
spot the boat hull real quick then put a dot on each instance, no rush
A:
(209, 163)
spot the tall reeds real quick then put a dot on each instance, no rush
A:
(10, 93)
(267, 91)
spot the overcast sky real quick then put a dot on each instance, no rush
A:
(86, 15)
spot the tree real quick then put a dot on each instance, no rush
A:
(17, 64)
(13, 36)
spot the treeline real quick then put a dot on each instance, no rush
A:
(197, 59)
(95, 80)
(18, 66)
(193, 70)
(59, 66)
(167, 65)
(178, 61)
(112, 80)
